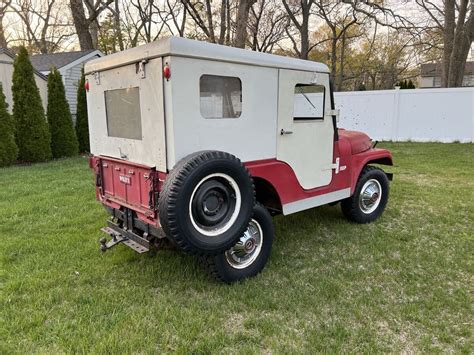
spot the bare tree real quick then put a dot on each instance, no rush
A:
(267, 25)
(146, 21)
(45, 24)
(452, 20)
(339, 18)
(4, 4)
(117, 25)
(458, 35)
(206, 17)
(177, 12)
(242, 22)
(87, 25)
(300, 16)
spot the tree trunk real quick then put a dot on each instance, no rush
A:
(223, 22)
(94, 31)
(448, 39)
(81, 24)
(304, 31)
(341, 63)
(3, 40)
(3, 7)
(118, 28)
(333, 55)
(210, 24)
(242, 21)
(463, 38)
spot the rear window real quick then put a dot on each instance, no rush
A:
(123, 113)
(220, 96)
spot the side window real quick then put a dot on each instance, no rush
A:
(220, 96)
(308, 102)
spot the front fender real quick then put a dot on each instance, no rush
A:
(371, 156)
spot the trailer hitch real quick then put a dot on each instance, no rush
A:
(116, 239)
(119, 235)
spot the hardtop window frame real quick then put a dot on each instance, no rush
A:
(206, 75)
(297, 119)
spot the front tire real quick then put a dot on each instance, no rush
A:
(250, 255)
(370, 196)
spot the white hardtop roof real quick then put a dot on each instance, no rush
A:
(182, 47)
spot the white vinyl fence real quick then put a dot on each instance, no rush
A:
(419, 115)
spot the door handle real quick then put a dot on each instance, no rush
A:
(282, 132)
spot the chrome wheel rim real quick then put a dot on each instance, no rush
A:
(248, 248)
(370, 196)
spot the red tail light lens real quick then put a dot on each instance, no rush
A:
(167, 71)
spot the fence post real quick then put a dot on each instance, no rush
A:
(472, 117)
(396, 110)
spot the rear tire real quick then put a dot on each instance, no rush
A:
(250, 255)
(206, 202)
(370, 196)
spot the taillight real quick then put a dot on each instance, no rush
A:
(86, 85)
(167, 72)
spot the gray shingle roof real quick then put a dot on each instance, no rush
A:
(12, 56)
(44, 62)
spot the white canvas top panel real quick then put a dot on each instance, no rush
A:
(183, 47)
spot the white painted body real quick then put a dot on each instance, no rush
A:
(172, 123)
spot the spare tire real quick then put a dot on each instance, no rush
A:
(206, 202)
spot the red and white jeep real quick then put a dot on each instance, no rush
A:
(199, 144)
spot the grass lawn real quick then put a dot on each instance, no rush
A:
(403, 283)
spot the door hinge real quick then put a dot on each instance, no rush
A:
(97, 77)
(141, 68)
(333, 113)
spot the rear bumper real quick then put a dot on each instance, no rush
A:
(124, 227)
(130, 221)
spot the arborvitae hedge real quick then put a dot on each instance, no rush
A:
(63, 137)
(31, 129)
(82, 124)
(8, 148)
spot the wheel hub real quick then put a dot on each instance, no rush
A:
(213, 203)
(370, 195)
(247, 248)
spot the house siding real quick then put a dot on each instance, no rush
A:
(6, 75)
(71, 78)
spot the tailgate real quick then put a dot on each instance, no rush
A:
(128, 184)
(126, 113)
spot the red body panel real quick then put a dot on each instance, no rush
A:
(132, 185)
(360, 142)
(127, 184)
(282, 177)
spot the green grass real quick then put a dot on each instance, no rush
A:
(403, 283)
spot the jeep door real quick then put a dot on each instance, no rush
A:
(305, 128)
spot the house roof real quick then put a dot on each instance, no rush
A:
(13, 56)
(183, 47)
(44, 62)
(435, 69)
